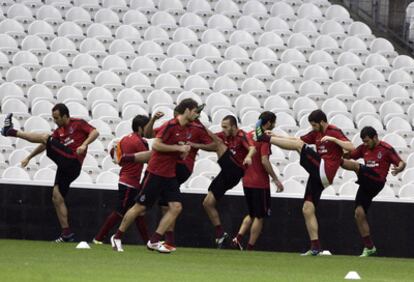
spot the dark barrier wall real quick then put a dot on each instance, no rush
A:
(27, 213)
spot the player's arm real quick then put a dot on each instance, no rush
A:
(272, 134)
(345, 145)
(397, 169)
(269, 169)
(91, 137)
(210, 147)
(165, 148)
(248, 158)
(149, 128)
(34, 153)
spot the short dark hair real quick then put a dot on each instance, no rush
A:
(267, 116)
(63, 110)
(368, 131)
(187, 103)
(139, 121)
(317, 116)
(232, 119)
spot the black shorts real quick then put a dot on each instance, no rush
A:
(182, 174)
(155, 186)
(68, 168)
(126, 198)
(368, 187)
(310, 161)
(228, 177)
(258, 202)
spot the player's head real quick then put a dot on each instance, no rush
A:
(60, 114)
(318, 120)
(369, 136)
(229, 125)
(188, 108)
(268, 120)
(138, 123)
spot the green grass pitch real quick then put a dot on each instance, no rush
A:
(45, 261)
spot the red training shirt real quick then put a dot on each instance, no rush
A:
(330, 152)
(130, 174)
(238, 146)
(378, 159)
(73, 135)
(256, 175)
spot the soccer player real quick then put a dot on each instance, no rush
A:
(200, 139)
(129, 179)
(256, 186)
(378, 157)
(67, 147)
(160, 181)
(321, 165)
(235, 152)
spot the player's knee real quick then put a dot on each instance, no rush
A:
(299, 145)
(45, 137)
(359, 213)
(176, 208)
(207, 203)
(307, 208)
(57, 199)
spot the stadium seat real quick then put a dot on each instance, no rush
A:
(57, 61)
(407, 191)
(36, 124)
(80, 16)
(390, 109)
(107, 178)
(369, 120)
(197, 84)
(83, 179)
(206, 165)
(129, 96)
(135, 18)
(45, 176)
(99, 95)
(348, 189)
(139, 82)
(293, 187)
(249, 118)
(199, 183)
(369, 92)
(15, 174)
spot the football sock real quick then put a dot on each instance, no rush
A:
(219, 231)
(142, 228)
(368, 242)
(315, 244)
(119, 234)
(109, 223)
(169, 238)
(156, 237)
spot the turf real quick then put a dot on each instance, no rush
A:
(44, 261)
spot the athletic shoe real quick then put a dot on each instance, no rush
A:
(220, 241)
(236, 244)
(66, 238)
(96, 242)
(169, 247)
(157, 246)
(8, 124)
(200, 108)
(312, 253)
(369, 252)
(259, 132)
(116, 244)
(116, 153)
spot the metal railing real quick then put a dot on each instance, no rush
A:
(385, 17)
